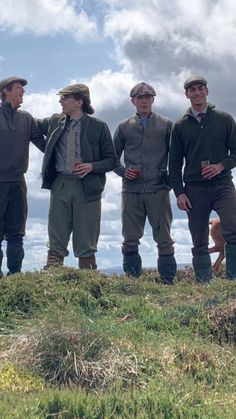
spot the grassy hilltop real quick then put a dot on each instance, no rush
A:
(81, 344)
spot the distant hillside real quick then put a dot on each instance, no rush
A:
(119, 270)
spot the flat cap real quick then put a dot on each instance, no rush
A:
(7, 80)
(194, 80)
(142, 89)
(80, 88)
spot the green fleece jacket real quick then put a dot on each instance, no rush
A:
(96, 148)
(192, 142)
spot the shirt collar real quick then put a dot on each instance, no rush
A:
(196, 113)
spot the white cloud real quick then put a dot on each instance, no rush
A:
(164, 42)
(109, 89)
(200, 27)
(44, 17)
(42, 105)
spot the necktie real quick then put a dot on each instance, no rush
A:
(201, 116)
(70, 148)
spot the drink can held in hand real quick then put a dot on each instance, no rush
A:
(136, 171)
(76, 166)
(205, 163)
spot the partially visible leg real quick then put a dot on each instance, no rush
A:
(59, 221)
(198, 218)
(133, 218)
(225, 206)
(1, 257)
(159, 214)
(4, 191)
(15, 220)
(86, 227)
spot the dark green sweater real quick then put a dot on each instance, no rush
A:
(190, 144)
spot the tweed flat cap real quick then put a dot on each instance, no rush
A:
(194, 80)
(80, 88)
(142, 89)
(7, 80)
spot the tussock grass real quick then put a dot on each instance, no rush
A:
(223, 319)
(72, 357)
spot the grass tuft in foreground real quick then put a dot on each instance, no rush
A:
(79, 344)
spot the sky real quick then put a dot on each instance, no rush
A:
(110, 46)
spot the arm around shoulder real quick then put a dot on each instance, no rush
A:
(37, 137)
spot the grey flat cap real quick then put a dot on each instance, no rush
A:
(142, 89)
(7, 80)
(194, 80)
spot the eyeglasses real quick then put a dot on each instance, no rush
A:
(145, 96)
(65, 97)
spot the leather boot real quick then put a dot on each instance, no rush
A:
(54, 260)
(167, 267)
(88, 263)
(132, 262)
(230, 252)
(202, 268)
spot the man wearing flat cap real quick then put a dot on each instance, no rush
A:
(143, 139)
(204, 146)
(79, 152)
(17, 129)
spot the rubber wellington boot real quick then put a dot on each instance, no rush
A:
(202, 268)
(230, 253)
(132, 262)
(166, 265)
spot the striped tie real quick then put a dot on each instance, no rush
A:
(70, 148)
(201, 116)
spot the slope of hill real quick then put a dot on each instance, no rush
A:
(81, 344)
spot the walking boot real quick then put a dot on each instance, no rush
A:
(54, 260)
(132, 262)
(230, 252)
(15, 255)
(166, 265)
(202, 268)
(88, 263)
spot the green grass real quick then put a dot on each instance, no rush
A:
(79, 344)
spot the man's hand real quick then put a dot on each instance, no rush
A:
(82, 169)
(130, 174)
(183, 202)
(212, 170)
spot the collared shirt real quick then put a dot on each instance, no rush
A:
(61, 146)
(196, 113)
(143, 120)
